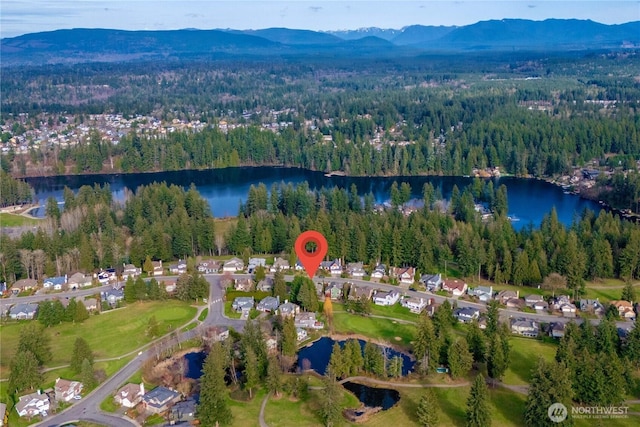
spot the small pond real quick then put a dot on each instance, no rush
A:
(373, 397)
(195, 361)
(316, 356)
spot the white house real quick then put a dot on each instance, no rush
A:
(129, 395)
(405, 275)
(23, 311)
(301, 333)
(33, 404)
(66, 390)
(386, 298)
(130, 270)
(233, 265)
(379, 272)
(333, 267)
(55, 283)
(455, 286)
(414, 304)
(355, 270)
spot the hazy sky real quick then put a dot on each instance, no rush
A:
(29, 16)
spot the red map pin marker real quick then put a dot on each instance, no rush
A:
(311, 260)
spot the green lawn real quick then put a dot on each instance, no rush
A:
(110, 334)
(13, 220)
(230, 312)
(380, 329)
(524, 356)
(396, 311)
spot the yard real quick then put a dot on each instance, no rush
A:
(523, 358)
(387, 330)
(13, 220)
(110, 334)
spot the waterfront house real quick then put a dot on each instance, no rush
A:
(301, 334)
(216, 333)
(308, 320)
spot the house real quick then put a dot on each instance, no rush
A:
(255, 263)
(112, 296)
(433, 282)
(568, 309)
(483, 293)
(23, 311)
(268, 304)
(515, 303)
(106, 276)
(129, 395)
(279, 264)
(414, 304)
(79, 280)
(288, 309)
(405, 275)
(265, 285)
(334, 289)
(592, 306)
(217, 333)
(358, 292)
(625, 309)
(209, 267)
(525, 327)
(455, 286)
(184, 411)
(66, 390)
(91, 304)
(160, 399)
(559, 300)
(55, 283)
(386, 298)
(307, 320)
(130, 270)
(23, 285)
(379, 272)
(33, 404)
(242, 304)
(179, 268)
(332, 267)
(243, 284)
(170, 286)
(301, 334)
(319, 287)
(556, 329)
(158, 270)
(466, 314)
(299, 266)
(532, 299)
(355, 270)
(541, 306)
(504, 296)
(233, 265)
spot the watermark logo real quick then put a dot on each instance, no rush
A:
(557, 412)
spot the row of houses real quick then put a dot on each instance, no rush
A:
(39, 403)
(28, 311)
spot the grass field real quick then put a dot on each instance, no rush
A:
(524, 356)
(380, 329)
(124, 330)
(13, 220)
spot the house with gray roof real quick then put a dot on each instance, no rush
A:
(268, 304)
(483, 293)
(466, 314)
(56, 283)
(31, 405)
(433, 282)
(23, 311)
(265, 285)
(242, 303)
(288, 309)
(525, 327)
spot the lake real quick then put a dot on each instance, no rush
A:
(224, 189)
(316, 355)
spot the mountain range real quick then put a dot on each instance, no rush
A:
(93, 45)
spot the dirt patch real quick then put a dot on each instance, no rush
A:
(360, 415)
(398, 338)
(399, 348)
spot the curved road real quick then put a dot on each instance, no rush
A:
(89, 407)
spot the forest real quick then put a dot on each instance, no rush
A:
(166, 222)
(526, 115)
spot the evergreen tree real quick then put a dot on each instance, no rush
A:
(87, 374)
(353, 357)
(289, 337)
(337, 362)
(330, 401)
(394, 368)
(81, 313)
(213, 408)
(426, 347)
(153, 327)
(476, 342)
(628, 293)
(81, 352)
(259, 274)
(274, 376)
(251, 375)
(460, 359)
(279, 286)
(478, 414)
(130, 290)
(632, 346)
(497, 360)
(71, 310)
(373, 359)
(427, 413)
(443, 318)
(550, 383)
(24, 372)
(34, 339)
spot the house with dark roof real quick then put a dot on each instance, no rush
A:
(466, 314)
(525, 327)
(455, 286)
(23, 285)
(242, 304)
(433, 282)
(268, 304)
(160, 399)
